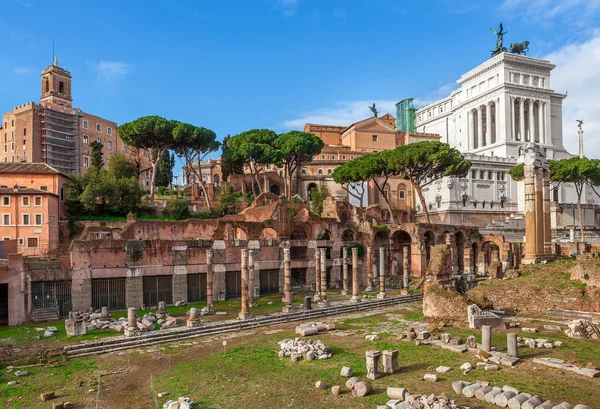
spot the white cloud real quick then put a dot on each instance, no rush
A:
(549, 12)
(347, 112)
(576, 72)
(111, 72)
(22, 70)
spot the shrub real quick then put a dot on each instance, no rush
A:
(178, 209)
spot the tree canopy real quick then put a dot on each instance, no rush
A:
(230, 165)
(164, 173)
(295, 149)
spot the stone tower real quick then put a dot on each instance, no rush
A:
(56, 86)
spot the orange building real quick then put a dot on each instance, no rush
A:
(32, 197)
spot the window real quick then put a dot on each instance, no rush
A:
(109, 144)
(351, 156)
(98, 140)
(109, 131)
(5, 201)
(32, 242)
(323, 157)
(37, 201)
(402, 194)
(25, 201)
(374, 138)
(481, 174)
(303, 172)
(38, 219)
(44, 188)
(61, 87)
(86, 139)
(13, 123)
(490, 174)
(86, 162)
(20, 242)
(85, 124)
(99, 127)
(332, 157)
(329, 171)
(320, 172)
(473, 174)
(24, 134)
(26, 220)
(6, 219)
(343, 157)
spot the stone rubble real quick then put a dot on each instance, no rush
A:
(560, 364)
(400, 398)
(181, 403)
(298, 349)
(576, 329)
(313, 328)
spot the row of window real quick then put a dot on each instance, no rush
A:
(32, 242)
(488, 173)
(86, 141)
(98, 127)
(25, 201)
(26, 220)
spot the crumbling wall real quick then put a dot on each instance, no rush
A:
(587, 270)
(442, 301)
(440, 266)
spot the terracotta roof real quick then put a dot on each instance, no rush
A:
(24, 191)
(27, 167)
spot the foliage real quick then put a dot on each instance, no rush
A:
(295, 149)
(227, 199)
(164, 173)
(517, 172)
(360, 250)
(317, 197)
(255, 148)
(122, 167)
(425, 162)
(291, 212)
(380, 227)
(97, 156)
(351, 176)
(178, 209)
(230, 165)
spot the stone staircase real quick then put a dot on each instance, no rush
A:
(44, 314)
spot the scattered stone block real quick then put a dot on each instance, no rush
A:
(11, 383)
(162, 394)
(372, 337)
(390, 361)
(423, 335)
(532, 403)
(446, 338)
(458, 386)
(503, 398)
(361, 389)
(320, 385)
(430, 377)
(469, 391)
(21, 373)
(58, 405)
(580, 407)
(552, 328)
(480, 393)
(466, 367)
(516, 401)
(351, 382)
(47, 396)
(456, 341)
(336, 390)
(397, 393)
(546, 405)
(471, 342)
(373, 364)
(490, 397)
(491, 367)
(443, 369)
(530, 330)
(346, 372)
(180, 303)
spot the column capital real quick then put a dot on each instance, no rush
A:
(355, 250)
(209, 253)
(286, 251)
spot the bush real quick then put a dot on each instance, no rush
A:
(177, 209)
(162, 190)
(317, 197)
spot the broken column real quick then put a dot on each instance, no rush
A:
(132, 328)
(193, 320)
(511, 345)
(75, 326)
(287, 281)
(104, 314)
(355, 294)
(324, 277)
(161, 312)
(390, 361)
(486, 338)
(210, 300)
(369, 270)
(536, 222)
(547, 222)
(251, 290)
(344, 271)
(382, 293)
(307, 303)
(373, 364)
(317, 296)
(405, 269)
(245, 310)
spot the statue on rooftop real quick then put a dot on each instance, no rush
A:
(520, 48)
(374, 110)
(499, 46)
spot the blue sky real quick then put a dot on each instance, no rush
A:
(240, 64)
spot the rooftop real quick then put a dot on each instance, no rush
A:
(28, 167)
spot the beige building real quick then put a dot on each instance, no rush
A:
(54, 132)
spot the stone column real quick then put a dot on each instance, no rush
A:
(373, 364)
(511, 345)
(382, 293)
(251, 282)
(287, 276)
(531, 120)
(513, 122)
(480, 136)
(369, 270)
(539, 211)
(405, 269)
(486, 338)
(210, 299)
(547, 222)
(131, 317)
(355, 294)
(324, 277)
(541, 121)
(344, 271)
(522, 118)
(468, 268)
(390, 361)
(530, 219)
(317, 296)
(488, 124)
(245, 311)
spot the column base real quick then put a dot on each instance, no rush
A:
(288, 308)
(245, 316)
(194, 324)
(316, 298)
(131, 332)
(534, 259)
(369, 288)
(324, 303)
(211, 309)
(381, 295)
(344, 292)
(355, 298)
(404, 291)
(252, 304)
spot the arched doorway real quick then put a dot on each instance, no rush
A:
(400, 249)
(348, 236)
(275, 190)
(309, 190)
(381, 239)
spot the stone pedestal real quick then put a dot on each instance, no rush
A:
(317, 296)
(161, 313)
(131, 317)
(344, 271)
(324, 301)
(307, 303)
(210, 300)
(355, 293)
(390, 361)
(251, 291)
(287, 277)
(486, 338)
(75, 326)
(193, 321)
(373, 359)
(512, 345)
(104, 314)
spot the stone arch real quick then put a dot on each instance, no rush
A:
(324, 235)
(298, 234)
(404, 217)
(240, 234)
(216, 179)
(274, 188)
(269, 233)
(309, 189)
(489, 252)
(348, 235)
(400, 250)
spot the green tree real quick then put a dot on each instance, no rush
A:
(229, 164)
(122, 167)
(296, 148)
(164, 175)
(97, 156)
(352, 177)
(194, 144)
(317, 197)
(153, 134)
(227, 199)
(426, 162)
(255, 148)
(178, 209)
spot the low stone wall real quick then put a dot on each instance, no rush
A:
(587, 270)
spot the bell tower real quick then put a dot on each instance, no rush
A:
(56, 86)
